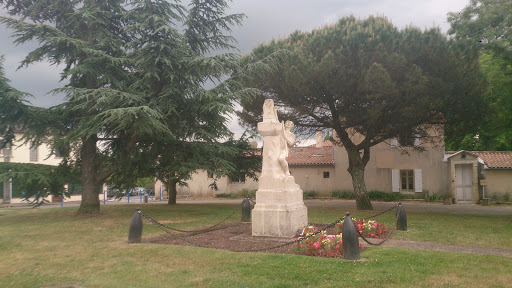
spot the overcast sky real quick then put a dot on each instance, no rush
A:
(266, 19)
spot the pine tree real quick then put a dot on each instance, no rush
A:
(172, 70)
(87, 38)
(369, 82)
(137, 103)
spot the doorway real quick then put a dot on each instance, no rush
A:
(464, 183)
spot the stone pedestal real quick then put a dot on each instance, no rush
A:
(278, 213)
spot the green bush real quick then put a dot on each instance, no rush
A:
(247, 193)
(429, 197)
(506, 197)
(240, 194)
(310, 194)
(343, 194)
(227, 195)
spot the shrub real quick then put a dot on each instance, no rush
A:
(226, 195)
(310, 194)
(429, 197)
(240, 194)
(506, 197)
(343, 194)
(247, 193)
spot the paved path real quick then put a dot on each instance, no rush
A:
(346, 205)
(350, 205)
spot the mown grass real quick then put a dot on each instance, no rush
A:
(50, 247)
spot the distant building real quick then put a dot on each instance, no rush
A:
(395, 166)
(28, 153)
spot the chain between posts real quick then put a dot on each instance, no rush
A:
(390, 233)
(382, 212)
(198, 231)
(171, 231)
(301, 238)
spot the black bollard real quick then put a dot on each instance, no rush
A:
(350, 239)
(246, 210)
(135, 233)
(401, 221)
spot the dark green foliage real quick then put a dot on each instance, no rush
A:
(343, 194)
(486, 25)
(37, 181)
(493, 130)
(310, 194)
(137, 74)
(240, 194)
(385, 196)
(366, 78)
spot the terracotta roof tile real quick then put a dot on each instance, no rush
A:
(310, 155)
(496, 159)
(493, 159)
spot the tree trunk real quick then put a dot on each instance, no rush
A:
(172, 191)
(90, 187)
(356, 169)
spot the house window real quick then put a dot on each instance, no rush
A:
(210, 174)
(33, 152)
(407, 179)
(58, 154)
(7, 150)
(326, 174)
(238, 179)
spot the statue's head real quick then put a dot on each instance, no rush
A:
(288, 125)
(268, 102)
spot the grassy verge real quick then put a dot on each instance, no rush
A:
(50, 247)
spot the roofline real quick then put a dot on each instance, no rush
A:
(317, 164)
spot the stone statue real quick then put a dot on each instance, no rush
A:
(270, 111)
(277, 140)
(287, 141)
(280, 208)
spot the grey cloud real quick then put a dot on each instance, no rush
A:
(266, 20)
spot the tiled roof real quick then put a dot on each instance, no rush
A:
(496, 159)
(310, 155)
(493, 159)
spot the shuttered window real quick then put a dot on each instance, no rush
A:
(33, 152)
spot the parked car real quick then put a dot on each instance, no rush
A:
(138, 190)
(116, 193)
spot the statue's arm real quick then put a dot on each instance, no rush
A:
(290, 138)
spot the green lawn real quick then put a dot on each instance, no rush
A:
(50, 247)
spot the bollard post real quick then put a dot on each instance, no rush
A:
(146, 198)
(61, 200)
(160, 193)
(128, 196)
(135, 233)
(104, 197)
(350, 239)
(401, 222)
(246, 210)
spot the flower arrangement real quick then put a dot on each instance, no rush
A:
(314, 242)
(367, 228)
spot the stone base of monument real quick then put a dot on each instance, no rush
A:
(278, 213)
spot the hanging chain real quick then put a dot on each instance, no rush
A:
(382, 212)
(300, 238)
(198, 231)
(171, 231)
(388, 236)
